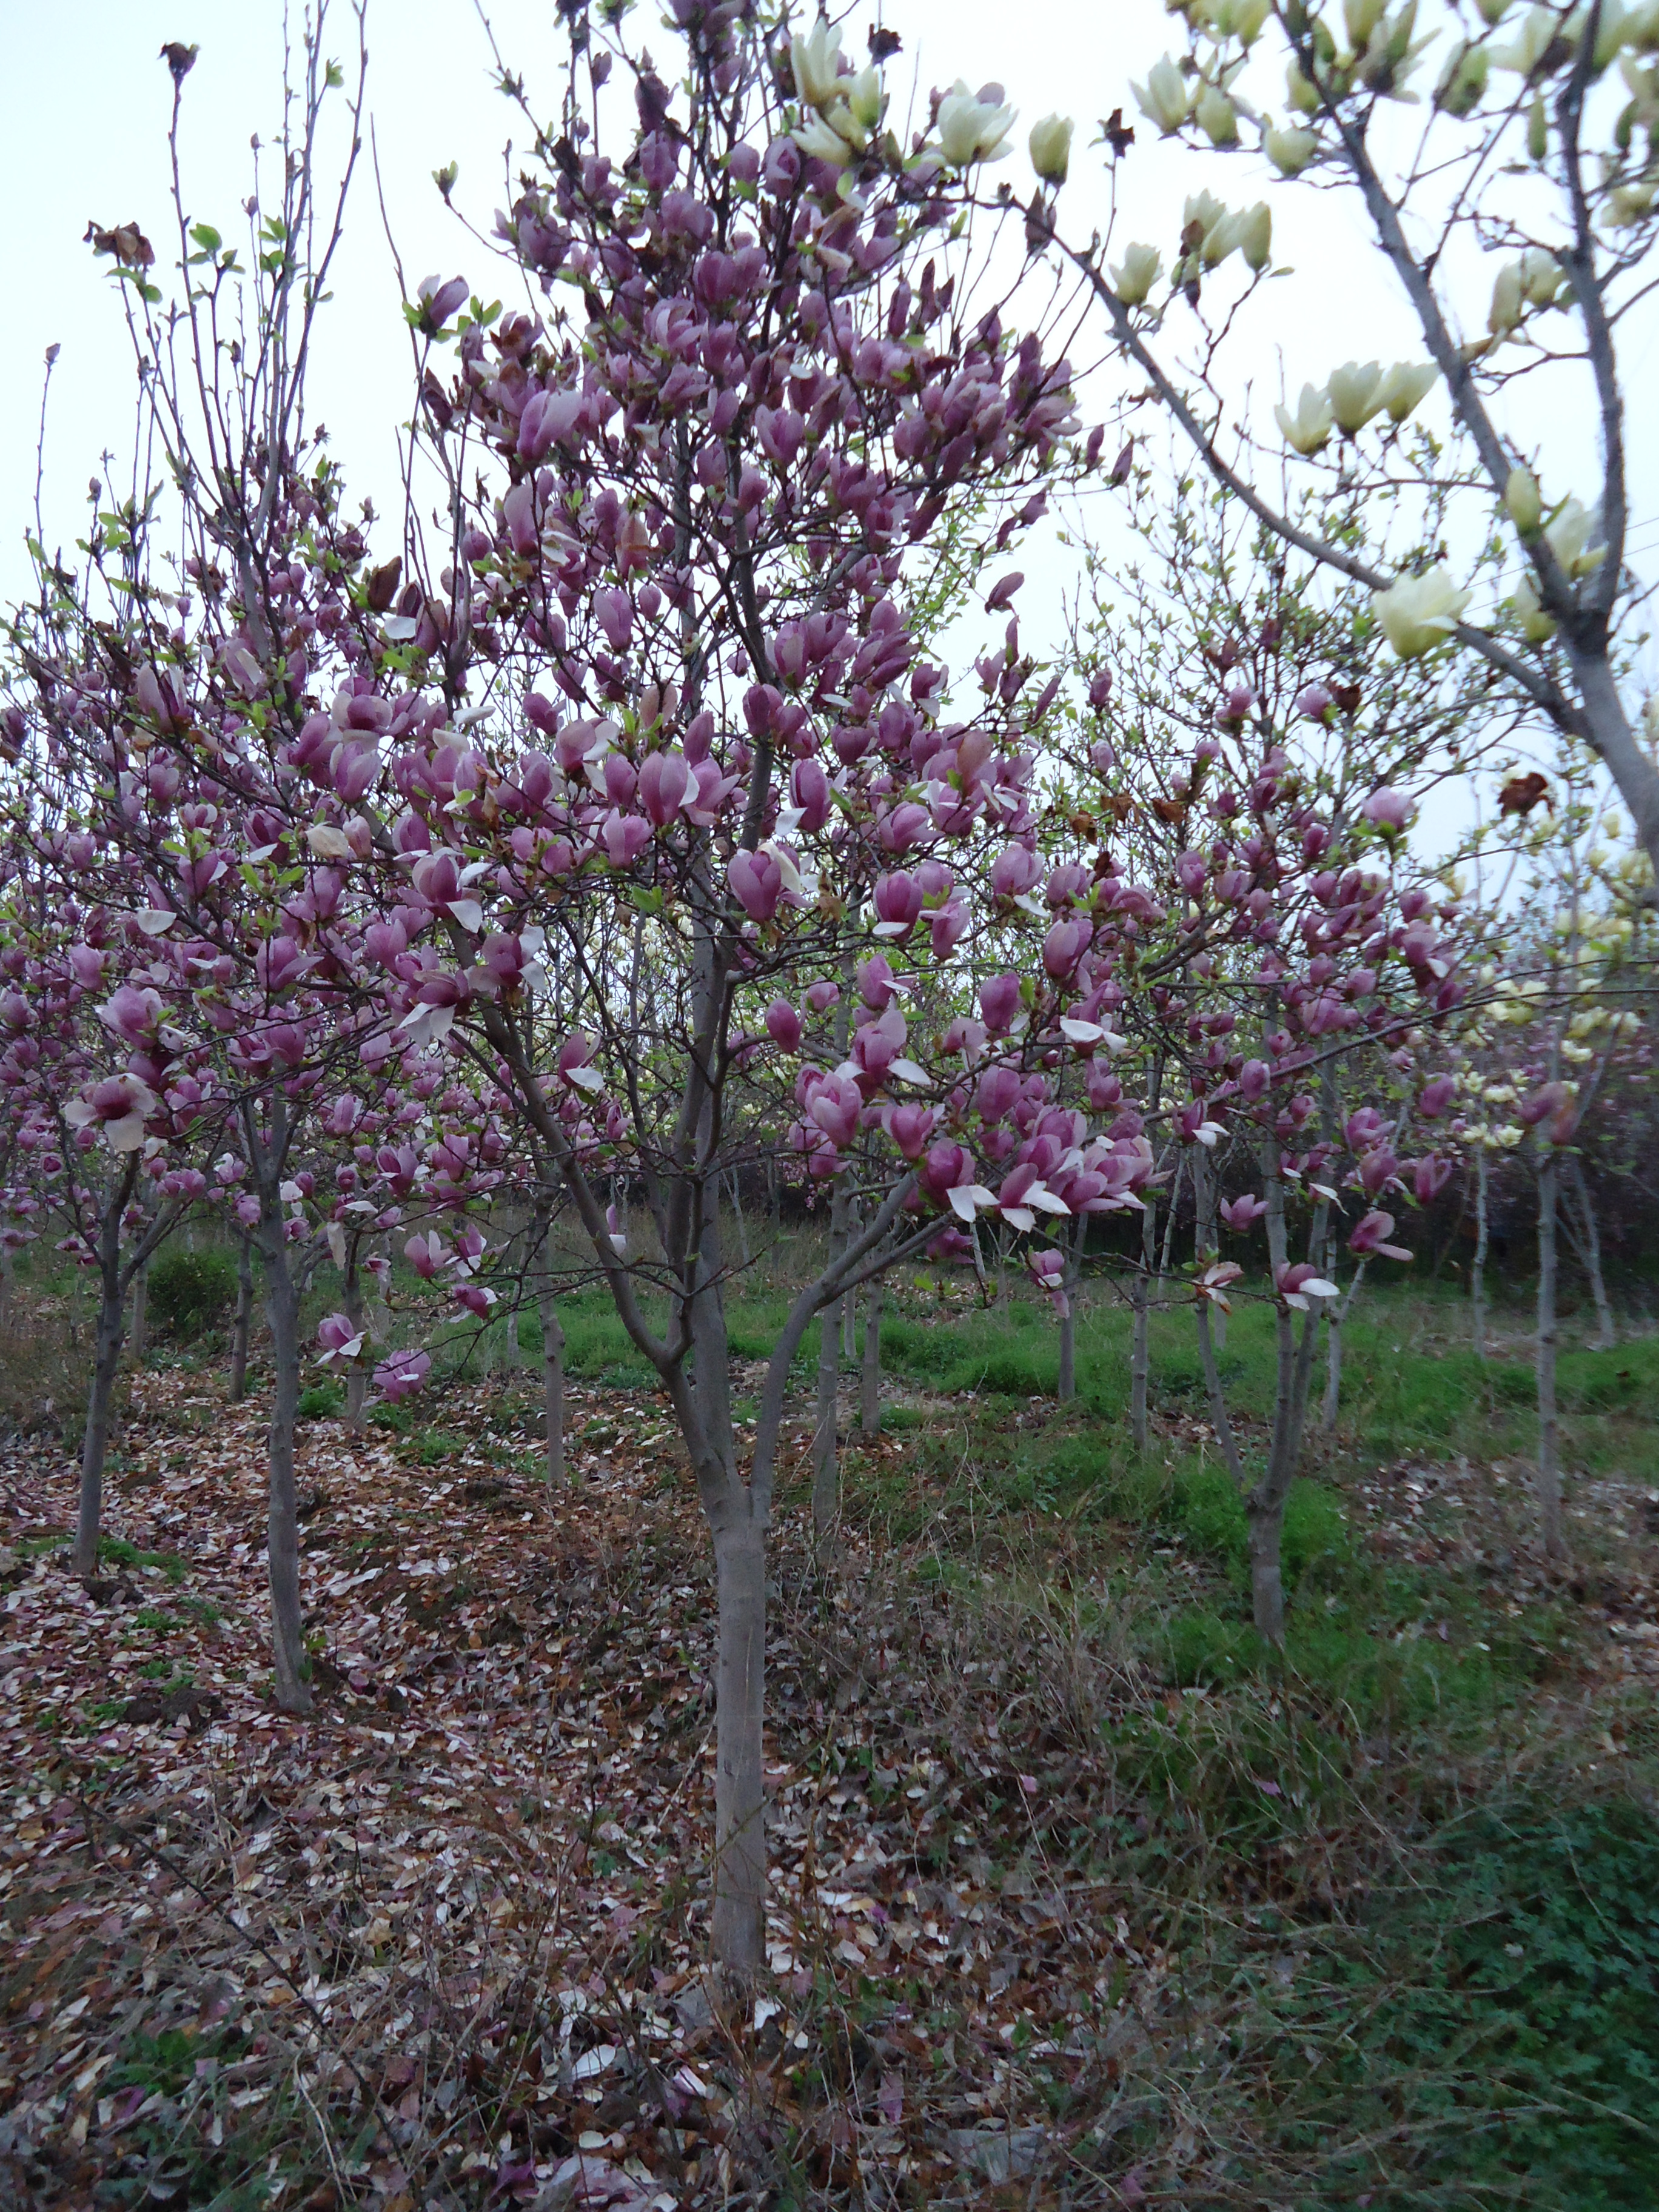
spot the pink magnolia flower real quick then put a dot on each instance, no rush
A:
(836, 1106)
(664, 781)
(1389, 810)
(426, 1255)
(1430, 1177)
(1370, 1233)
(120, 1107)
(1241, 1214)
(1300, 1283)
(910, 1127)
(783, 1024)
(401, 1375)
(756, 882)
(897, 899)
(1000, 1003)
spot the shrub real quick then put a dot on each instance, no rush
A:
(190, 1292)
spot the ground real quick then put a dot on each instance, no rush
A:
(1080, 1897)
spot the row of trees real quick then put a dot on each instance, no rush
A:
(624, 824)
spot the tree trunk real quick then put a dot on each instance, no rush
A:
(1606, 1334)
(282, 1535)
(552, 1387)
(870, 1373)
(740, 1921)
(1549, 1461)
(94, 1442)
(357, 1373)
(1140, 1356)
(140, 1340)
(1336, 1320)
(826, 1488)
(243, 1323)
(826, 1469)
(1264, 1508)
(1478, 1272)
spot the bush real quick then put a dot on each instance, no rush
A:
(190, 1292)
(321, 1401)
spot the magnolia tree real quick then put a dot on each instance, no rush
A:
(1287, 965)
(1218, 635)
(1559, 1039)
(683, 761)
(1503, 162)
(104, 1099)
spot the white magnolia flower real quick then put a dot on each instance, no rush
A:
(1133, 278)
(1051, 148)
(1531, 42)
(1405, 385)
(1307, 429)
(1536, 627)
(815, 57)
(328, 843)
(1356, 392)
(1290, 151)
(1569, 537)
(1253, 234)
(974, 127)
(1216, 117)
(819, 138)
(1418, 612)
(1166, 98)
(1524, 502)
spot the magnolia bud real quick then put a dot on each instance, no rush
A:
(1290, 151)
(1136, 276)
(1303, 95)
(1538, 129)
(1254, 233)
(1165, 97)
(1524, 502)
(1051, 148)
(1218, 117)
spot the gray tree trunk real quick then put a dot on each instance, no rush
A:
(1335, 1321)
(1264, 1507)
(552, 1387)
(826, 1458)
(1549, 1444)
(357, 1373)
(739, 1918)
(140, 1338)
(1140, 1353)
(94, 1444)
(282, 1532)
(870, 1372)
(1478, 1272)
(244, 1321)
(1590, 1243)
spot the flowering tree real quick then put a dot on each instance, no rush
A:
(1536, 150)
(1561, 1021)
(106, 1116)
(690, 759)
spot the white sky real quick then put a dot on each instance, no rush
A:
(85, 111)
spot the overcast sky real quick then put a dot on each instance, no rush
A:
(85, 113)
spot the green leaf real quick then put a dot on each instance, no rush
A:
(206, 237)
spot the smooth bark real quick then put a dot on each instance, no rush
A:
(282, 1526)
(552, 1387)
(244, 1320)
(1589, 1241)
(140, 1336)
(1336, 1320)
(1478, 1272)
(95, 1443)
(739, 1918)
(869, 1371)
(1549, 1443)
